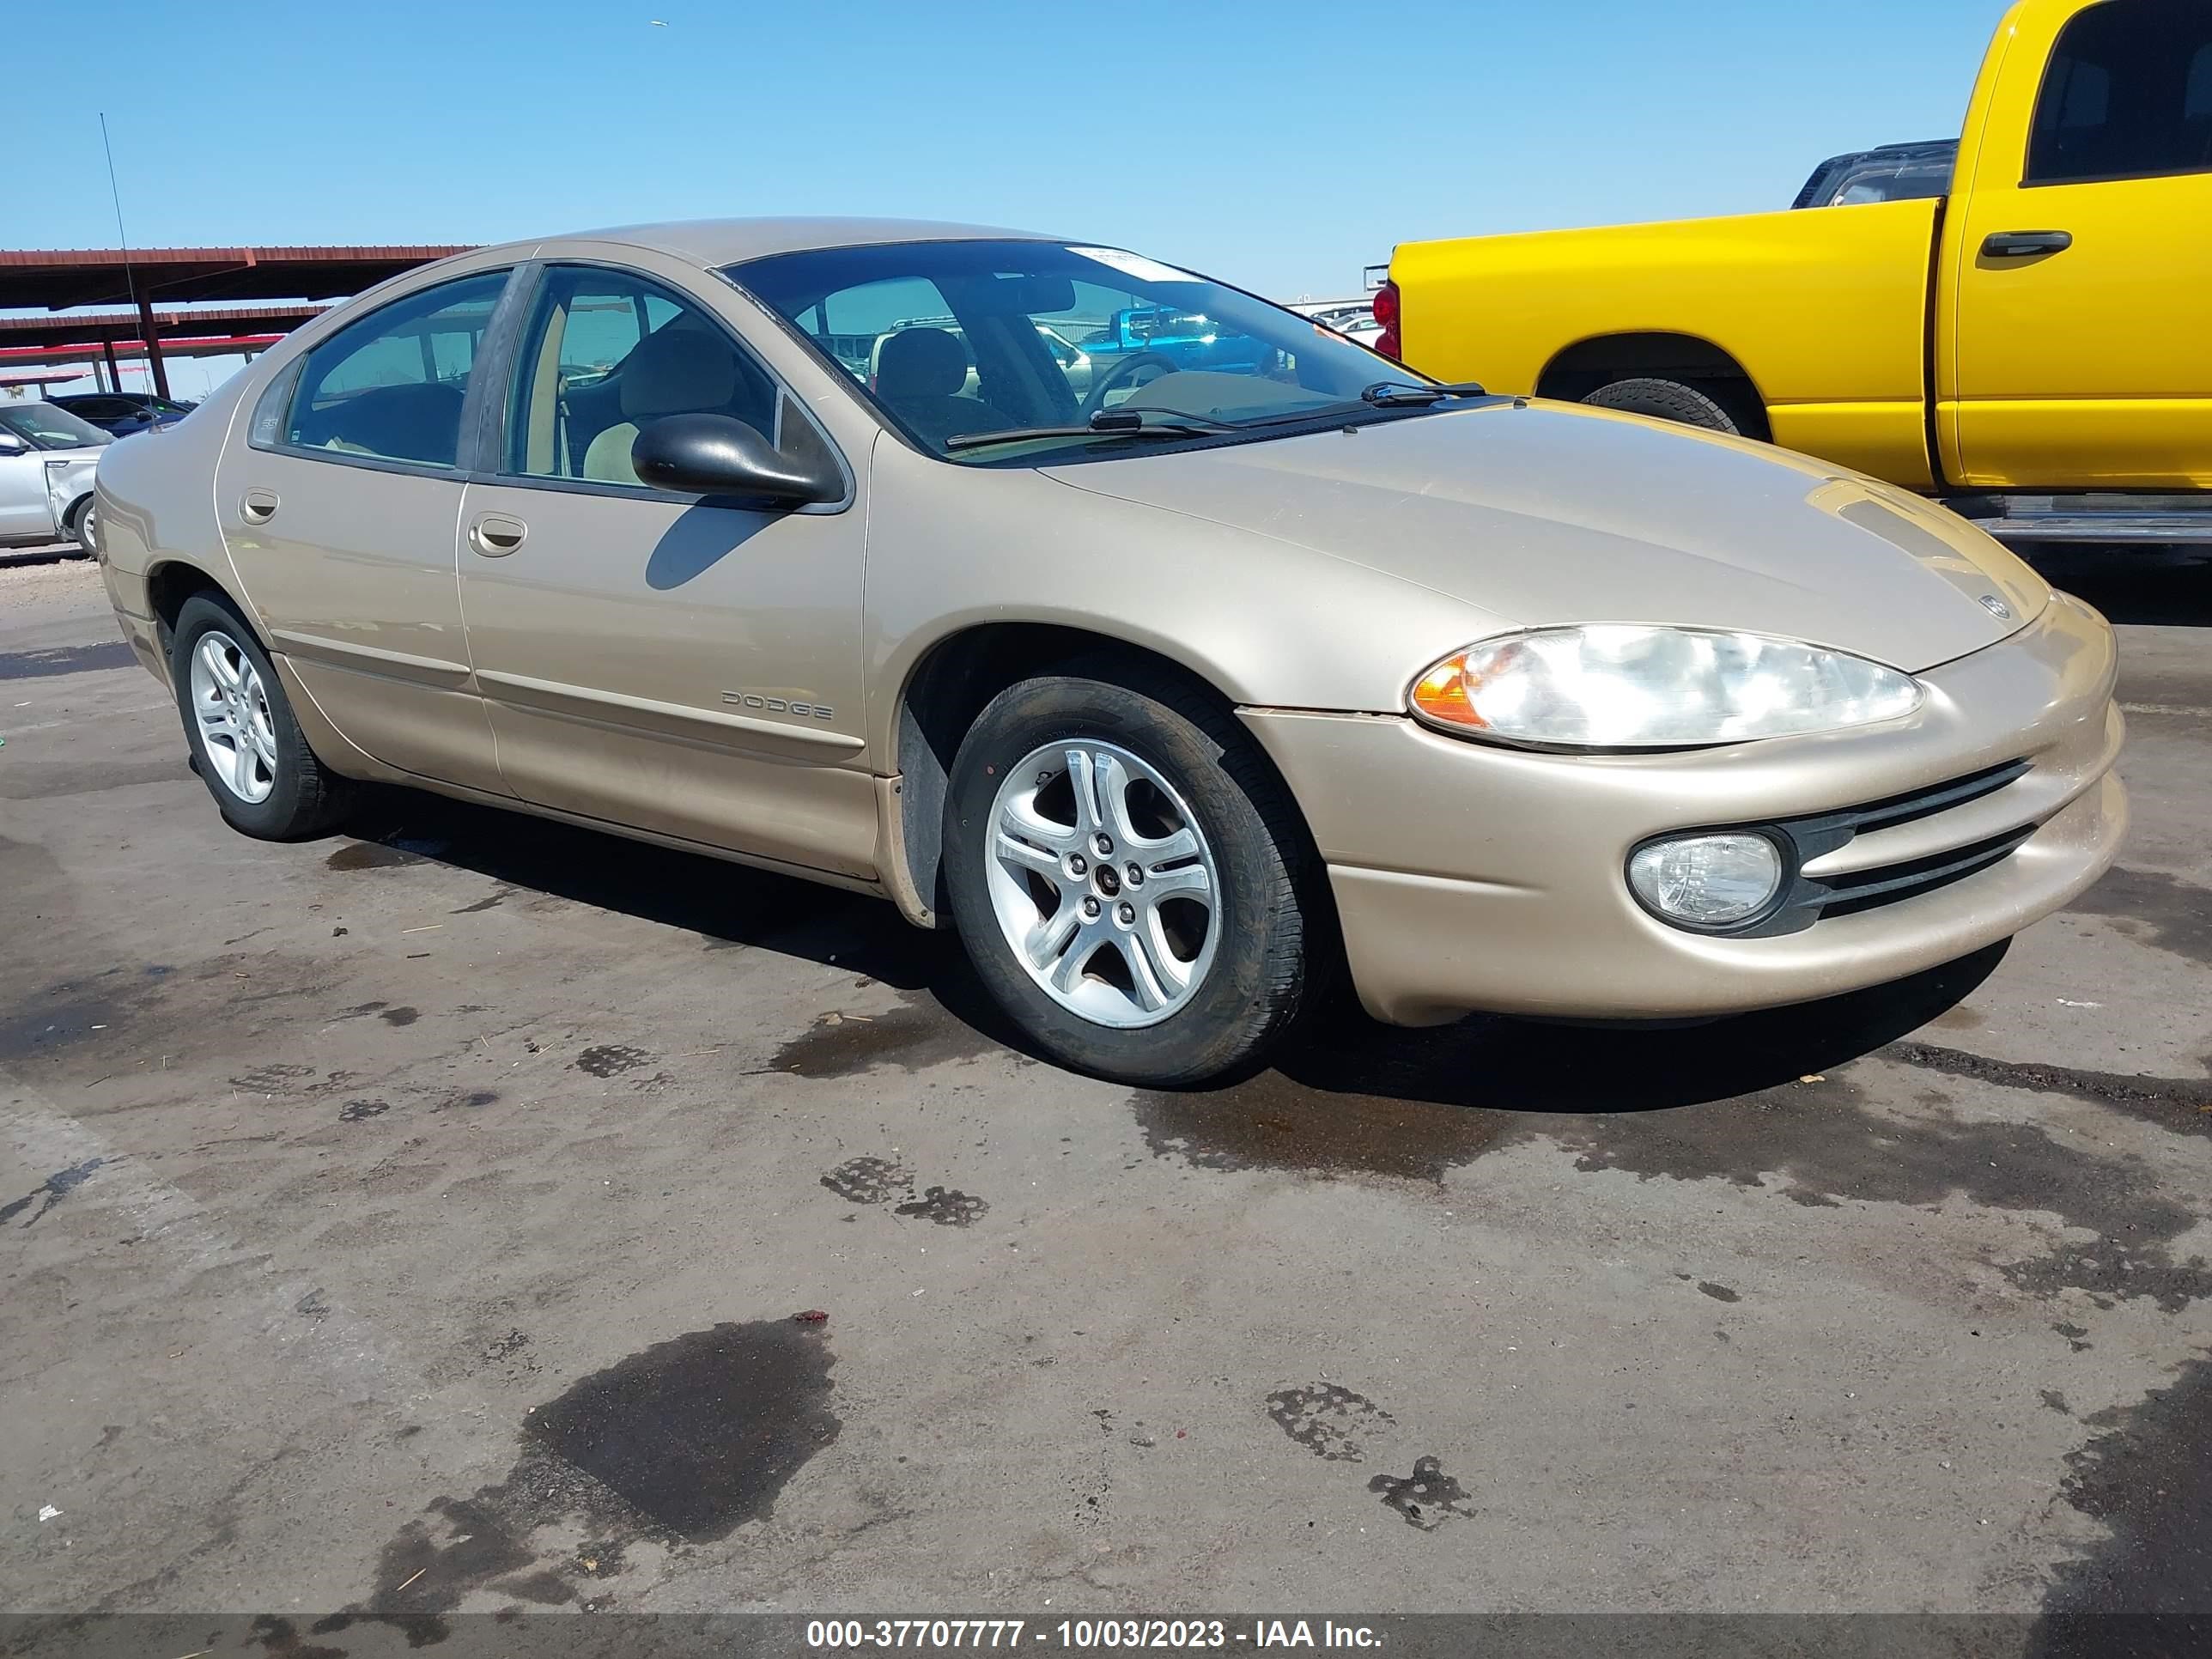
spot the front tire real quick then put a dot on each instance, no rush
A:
(246, 745)
(1130, 877)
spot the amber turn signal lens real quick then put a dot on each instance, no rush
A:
(1446, 693)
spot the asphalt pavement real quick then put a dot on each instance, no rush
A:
(471, 1213)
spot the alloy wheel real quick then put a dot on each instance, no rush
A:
(1103, 883)
(231, 705)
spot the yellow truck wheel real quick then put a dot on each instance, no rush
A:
(1669, 400)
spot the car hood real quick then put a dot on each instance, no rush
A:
(1544, 514)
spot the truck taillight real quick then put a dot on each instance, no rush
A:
(1386, 314)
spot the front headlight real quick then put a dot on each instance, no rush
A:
(1618, 685)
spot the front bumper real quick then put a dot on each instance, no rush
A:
(1470, 878)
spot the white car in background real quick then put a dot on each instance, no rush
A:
(47, 461)
(1353, 318)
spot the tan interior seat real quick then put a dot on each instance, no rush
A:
(678, 371)
(920, 374)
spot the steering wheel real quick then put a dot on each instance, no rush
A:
(1126, 370)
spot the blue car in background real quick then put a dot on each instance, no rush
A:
(1186, 339)
(1132, 348)
(122, 413)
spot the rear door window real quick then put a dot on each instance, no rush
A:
(391, 385)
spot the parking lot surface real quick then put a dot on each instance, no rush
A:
(445, 1218)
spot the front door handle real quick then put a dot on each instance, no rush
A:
(257, 506)
(2025, 244)
(495, 535)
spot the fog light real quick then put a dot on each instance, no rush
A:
(1707, 881)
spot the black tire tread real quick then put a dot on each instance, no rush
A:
(73, 528)
(1669, 400)
(1294, 911)
(310, 799)
(1297, 887)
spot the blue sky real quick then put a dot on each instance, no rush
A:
(1281, 145)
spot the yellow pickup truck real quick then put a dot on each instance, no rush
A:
(2035, 347)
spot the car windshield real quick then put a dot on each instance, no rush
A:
(963, 339)
(45, 427)
(1897, 182)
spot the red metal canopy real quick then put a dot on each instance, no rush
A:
(54, 279)
(63, 279)
(79, 357)
(125, 328)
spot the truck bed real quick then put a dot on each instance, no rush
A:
(1831, 306)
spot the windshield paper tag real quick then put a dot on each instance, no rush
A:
(1136, 265)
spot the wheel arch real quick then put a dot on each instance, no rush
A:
(947, 686)
(171, 582)
(1576, 371)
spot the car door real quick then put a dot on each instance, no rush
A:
(341, 503)
(25, 512)
(648, 658)
(2081, 259)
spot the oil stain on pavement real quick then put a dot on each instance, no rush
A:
(2163, 911)
(844, 1045)
(1328, 1420)
(612, 1060)
(370, 856)
(881, 1180)
(2148, 1476)
(1427, 1498)
(54, 1188)
(2179, 1104)
(699, 1434)
(946, 1206)
(683, 1442)
(870, 1180)
(1271, 1121)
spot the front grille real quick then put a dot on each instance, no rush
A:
(1808, 899)
(1869, 890)
(1926, 803)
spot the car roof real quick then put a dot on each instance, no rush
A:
(715, 242)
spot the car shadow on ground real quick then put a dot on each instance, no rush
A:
(1528, 1065)
(51, 553)
(1493, 1063)
(2151, 585)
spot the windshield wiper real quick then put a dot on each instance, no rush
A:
(1110, 420)
(1122, 422)
(1390, 394)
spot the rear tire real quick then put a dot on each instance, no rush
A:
(1195, 969)
(1669, 400)
(246, 745)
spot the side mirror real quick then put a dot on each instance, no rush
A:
(11, 444)
(715, 455)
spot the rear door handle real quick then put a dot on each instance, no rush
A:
(257, 506)
(495, 535)
(2025, 244)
